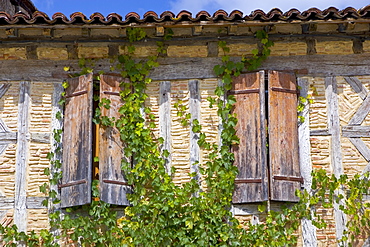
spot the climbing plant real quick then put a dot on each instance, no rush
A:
(195, 213)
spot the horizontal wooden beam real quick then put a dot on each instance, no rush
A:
(191, 68)
(11, 137)
(320, 132)
(40, 137)
(356, 131)
(8, 136)
(31, 203)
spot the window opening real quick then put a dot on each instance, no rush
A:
(95, 142)
(266, 82)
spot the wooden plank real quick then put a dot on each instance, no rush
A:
(357, 86)
(223, 98)
(315, 65)
(334, 124)
(40, 137)
(8, 136)
(31, 202)
(165, 119)
(24, 105)
(250, 154)
(188, 68)
(320, 132)
(336, 151)
(35, 202)
(283, 135)
(113, 184)
(4, 88)
(6, 203)
(367, 242)
(3, 127)
(361, 113)
(194, 109)
(77, 139)
(365, 170)
(356, 131)
(3, 147)
(308, 229)
(361, 147)
(56, 124)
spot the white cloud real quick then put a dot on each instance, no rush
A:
(246, 6)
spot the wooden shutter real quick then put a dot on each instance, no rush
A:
(250, 155)
(113, 185)
(283, 136)
(77, 138)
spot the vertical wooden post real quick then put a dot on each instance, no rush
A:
(194, 108)
(336, 156)
(56, 124)
(20, 209)
(165, 119)
(308, 229)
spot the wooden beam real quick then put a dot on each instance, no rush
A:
(361, 113)
(6, 136)
(320, 132)
(366, 169)
(4, 88)
(336, 151)
(20, 208)
(361, 147)
(356, 131)
(190, 68)
(31, 203)
(357, 86)
(56, 124)
(165, 119)
(6, 203)
(40, 137)
(308, 229)
(194, 108)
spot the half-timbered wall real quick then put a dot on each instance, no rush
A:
(334, 71)
(25, 119)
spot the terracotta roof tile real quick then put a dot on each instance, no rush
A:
(184, 16)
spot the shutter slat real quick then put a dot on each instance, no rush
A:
(77, 138)
(283, 137)
(113, 185)
(250, 155)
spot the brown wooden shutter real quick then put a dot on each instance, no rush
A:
(113, 185)
(77, 138)
(250, 155)
(283, 136)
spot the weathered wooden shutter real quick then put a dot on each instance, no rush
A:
(113, 185)
(283, 136)
(251, 184)
(77, 138)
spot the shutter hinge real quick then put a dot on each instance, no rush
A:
(248, 180)
(285, 178)
(284, 90)
(111, 93)
(83, 181)
(115, 182)
(245, 91)
(76, 94)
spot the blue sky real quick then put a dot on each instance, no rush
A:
(123, 7)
